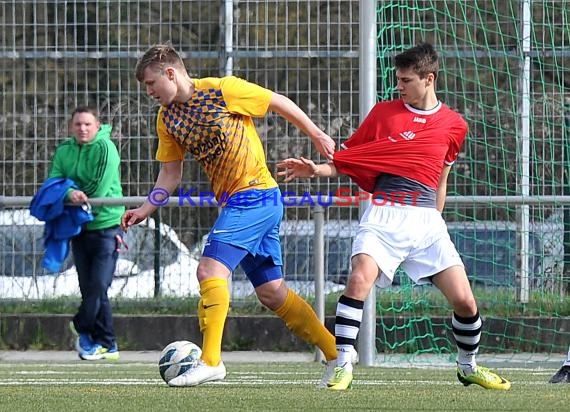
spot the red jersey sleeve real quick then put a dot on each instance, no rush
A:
(456, 139)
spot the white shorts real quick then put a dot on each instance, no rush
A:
(414, 238)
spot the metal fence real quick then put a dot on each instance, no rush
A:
(504, 67)
(56, 55)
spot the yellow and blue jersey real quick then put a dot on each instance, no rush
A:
(216, 126)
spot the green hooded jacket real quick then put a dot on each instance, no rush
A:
(95, 168)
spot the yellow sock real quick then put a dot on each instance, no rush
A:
(301, 319)
(212, 312)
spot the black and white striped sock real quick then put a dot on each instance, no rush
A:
(467, 333)
(347, 325)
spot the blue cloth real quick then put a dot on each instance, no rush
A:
(62, 222)
(247, 233)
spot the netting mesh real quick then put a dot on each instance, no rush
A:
(514, 96)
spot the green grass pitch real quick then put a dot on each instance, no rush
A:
(131, 386)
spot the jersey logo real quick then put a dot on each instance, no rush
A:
(420, 120)
(409, 135)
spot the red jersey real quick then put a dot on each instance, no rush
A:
(398, 139)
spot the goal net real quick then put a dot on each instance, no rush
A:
(505, 67)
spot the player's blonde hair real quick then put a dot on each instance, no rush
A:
(158, 57)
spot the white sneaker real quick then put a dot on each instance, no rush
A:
(327, 376)
(330, 370)
(202, 373)
(95, 352)
(354, 357)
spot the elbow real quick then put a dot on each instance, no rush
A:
(171, 172)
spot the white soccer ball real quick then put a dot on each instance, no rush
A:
(178, 357)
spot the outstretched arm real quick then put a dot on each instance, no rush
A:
(293, 113)
(168, 178)
(301, 167)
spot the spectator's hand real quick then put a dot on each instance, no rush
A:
(296, 168)
(325, 145)
(77, 197)
(132, 217)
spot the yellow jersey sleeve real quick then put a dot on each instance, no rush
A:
(243, 97)
(216, 126)
(169, 149)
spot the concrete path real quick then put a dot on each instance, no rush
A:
(153, 356)
(520, 360)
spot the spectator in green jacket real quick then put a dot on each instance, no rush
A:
(92, 161)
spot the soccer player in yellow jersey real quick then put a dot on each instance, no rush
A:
(211, 118)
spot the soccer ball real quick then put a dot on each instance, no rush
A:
(178, 357)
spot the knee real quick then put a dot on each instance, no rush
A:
(99, 286)
(465, 306)
(358, 286)
(364, 273)
(202, 273)
(270, 301)
(210, 268)
(272, 297)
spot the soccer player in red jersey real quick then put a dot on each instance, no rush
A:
(406, 146)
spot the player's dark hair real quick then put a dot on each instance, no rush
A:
(85, 109)
(158, 57)
(422, 59)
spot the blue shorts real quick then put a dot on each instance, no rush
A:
(247, 233)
